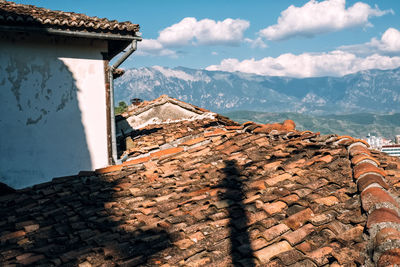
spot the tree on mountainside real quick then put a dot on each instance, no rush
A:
(121, 108)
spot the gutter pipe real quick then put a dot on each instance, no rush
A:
(112, 115)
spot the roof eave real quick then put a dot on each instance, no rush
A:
(72, 33)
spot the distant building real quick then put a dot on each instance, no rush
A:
(392, 150)
(377, 142)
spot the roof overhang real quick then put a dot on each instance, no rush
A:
(117, 42)
(84, 34)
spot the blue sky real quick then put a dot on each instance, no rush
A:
(284, 38)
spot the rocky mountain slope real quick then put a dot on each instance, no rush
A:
(374, 91)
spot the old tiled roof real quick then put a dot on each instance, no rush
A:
(211, 193)
(146, 105)
(27, 15)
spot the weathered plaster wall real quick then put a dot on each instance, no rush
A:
(53, 108)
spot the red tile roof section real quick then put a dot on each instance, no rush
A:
(380, 204)
(28, 15)
(146, 105)
(205, 193)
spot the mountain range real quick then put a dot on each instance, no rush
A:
(370, 91)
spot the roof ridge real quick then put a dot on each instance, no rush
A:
(382, 208)
(146, 105)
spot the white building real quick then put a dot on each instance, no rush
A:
(392, 150)
(55, 114)
(377, 142)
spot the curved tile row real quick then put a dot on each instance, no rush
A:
(381, 206)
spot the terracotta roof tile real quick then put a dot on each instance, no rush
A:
(377, 198)
(327, 201)
(298, 219)
(264, 255)
(390, 258)
(387, 235)
(113, 168)
(197, 192)
(357, 150)
(165, 152)
(274, 207)
(343, 256)
(193, 141)
(136, 161)
(364, 168)
(382, 215)
(299, 235)
(28, 15)
(362, 157)
(320, 256)
(373, 196)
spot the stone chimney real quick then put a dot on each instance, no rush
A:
(136, 101)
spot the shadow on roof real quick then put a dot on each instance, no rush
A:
(241, 250)
(77, 221)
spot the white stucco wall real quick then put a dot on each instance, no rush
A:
(53, 108)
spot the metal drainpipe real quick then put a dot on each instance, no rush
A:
(110, 73)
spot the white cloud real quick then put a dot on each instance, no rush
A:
(390, 41)
(388, 44)
(190, 31)
(256, 43)
(150, 44)
(204, 32)
(214, 53)
(152, 47)
(334, 63)
(320, 17)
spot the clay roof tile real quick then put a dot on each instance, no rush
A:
(29, 15)
(191, 190)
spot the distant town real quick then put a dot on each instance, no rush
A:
(384, 145)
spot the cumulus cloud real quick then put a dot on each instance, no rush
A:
(190, 31)
(152, 47)
(389, 43)
(256, 43)
(320, 17)
(334, 63)
(204, 32)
